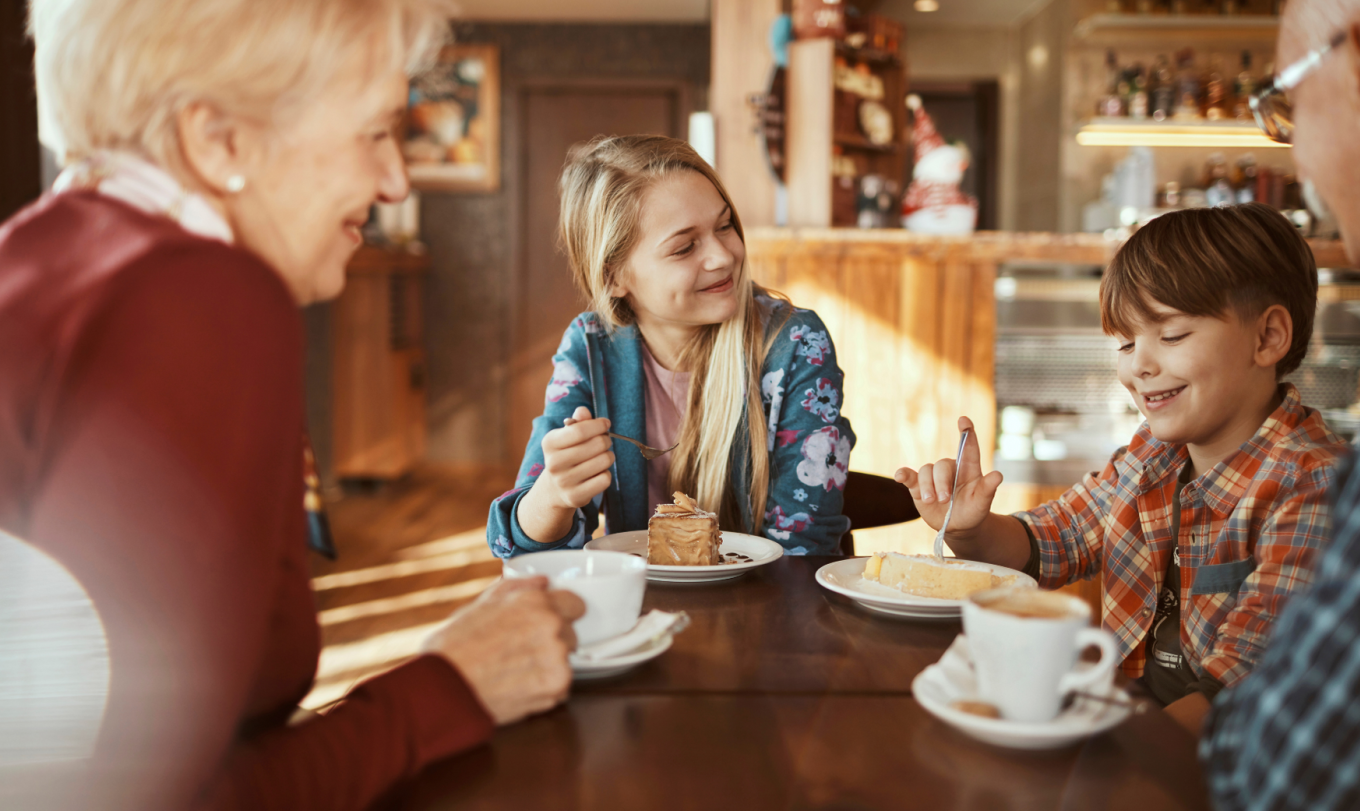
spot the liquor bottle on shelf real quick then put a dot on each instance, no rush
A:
(1111, 105)
(1218, 191)
(1170, 196)
(1247, 178)
(1138, 93)
(1188, 89)
(1163, 90)
(1242, 90)
(1216, 92)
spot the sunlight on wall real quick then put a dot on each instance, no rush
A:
(914, 333)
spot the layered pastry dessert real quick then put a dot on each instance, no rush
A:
(925, 576)
(683, 534)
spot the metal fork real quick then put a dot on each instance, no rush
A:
(648, 453)
(958, 463)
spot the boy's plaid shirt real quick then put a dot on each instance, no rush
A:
(1248, 533)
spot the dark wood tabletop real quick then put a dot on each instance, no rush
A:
(782, 695)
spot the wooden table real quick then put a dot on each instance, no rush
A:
(782, 695)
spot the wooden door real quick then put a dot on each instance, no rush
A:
(551, 118)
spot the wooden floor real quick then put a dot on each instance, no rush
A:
(409, 553)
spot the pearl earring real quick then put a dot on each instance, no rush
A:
(236, 183)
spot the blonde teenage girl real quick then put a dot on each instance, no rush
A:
(680, 345)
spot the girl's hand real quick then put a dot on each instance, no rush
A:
(576, 461)
(932, 488)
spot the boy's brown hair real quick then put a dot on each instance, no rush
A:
(1208, 261)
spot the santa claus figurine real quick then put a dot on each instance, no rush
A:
(934, 204)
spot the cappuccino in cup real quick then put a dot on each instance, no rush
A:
(1025, 644)
(1031, 604)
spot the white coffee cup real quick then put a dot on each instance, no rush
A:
(1025, 643)
(610, 583)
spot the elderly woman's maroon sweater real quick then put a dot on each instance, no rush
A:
(151, 417)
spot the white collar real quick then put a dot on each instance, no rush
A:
(146, 187)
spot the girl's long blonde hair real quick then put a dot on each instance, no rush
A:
(601, 188)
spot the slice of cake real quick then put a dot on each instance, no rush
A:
(924, 576)
(682, 534)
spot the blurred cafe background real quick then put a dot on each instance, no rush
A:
(1052, 128)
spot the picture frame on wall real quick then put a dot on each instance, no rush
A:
(452, 135)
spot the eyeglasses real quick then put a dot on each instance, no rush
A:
(1270, 105)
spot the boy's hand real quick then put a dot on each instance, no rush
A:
(576, 460)
(932, 488)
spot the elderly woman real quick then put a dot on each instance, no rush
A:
(220, 158)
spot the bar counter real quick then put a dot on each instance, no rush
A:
(913, 318)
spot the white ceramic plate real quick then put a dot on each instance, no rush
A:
(847, 577)
(584, 670)
(757, 551)
(952, 679)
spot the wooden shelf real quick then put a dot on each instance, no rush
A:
(872, 56)
(1103, 28)
(823, 120)
(1203, 134)
(381, 259)
(378, 365)
(860, 142)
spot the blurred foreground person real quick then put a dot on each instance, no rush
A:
(220, 158)
(1289, 735)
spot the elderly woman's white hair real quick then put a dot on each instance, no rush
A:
(113, 74)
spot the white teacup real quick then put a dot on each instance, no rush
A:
(1025, 643)
(610, 583)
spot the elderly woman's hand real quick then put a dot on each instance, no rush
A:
(511, 646)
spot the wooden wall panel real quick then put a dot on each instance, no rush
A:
(914, 328)
(742, 64)
(379, 425)
(808, 108)
(871, 397)
(919, 363)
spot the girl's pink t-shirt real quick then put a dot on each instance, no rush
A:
(667, 401)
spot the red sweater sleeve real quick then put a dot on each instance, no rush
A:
(388, 728)
(171, 487)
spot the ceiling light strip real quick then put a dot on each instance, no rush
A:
(1144, 137)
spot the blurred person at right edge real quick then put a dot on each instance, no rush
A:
(1289, 735)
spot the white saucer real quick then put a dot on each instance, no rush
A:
(582, 670)
(951, 679)
(760, 551)
(847, 577)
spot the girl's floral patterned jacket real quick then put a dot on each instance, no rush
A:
(809, 439)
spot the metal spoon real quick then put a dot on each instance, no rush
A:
(958, 463)
(1135, 705)
(648, 453)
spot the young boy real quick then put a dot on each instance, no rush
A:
(1211, 516)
